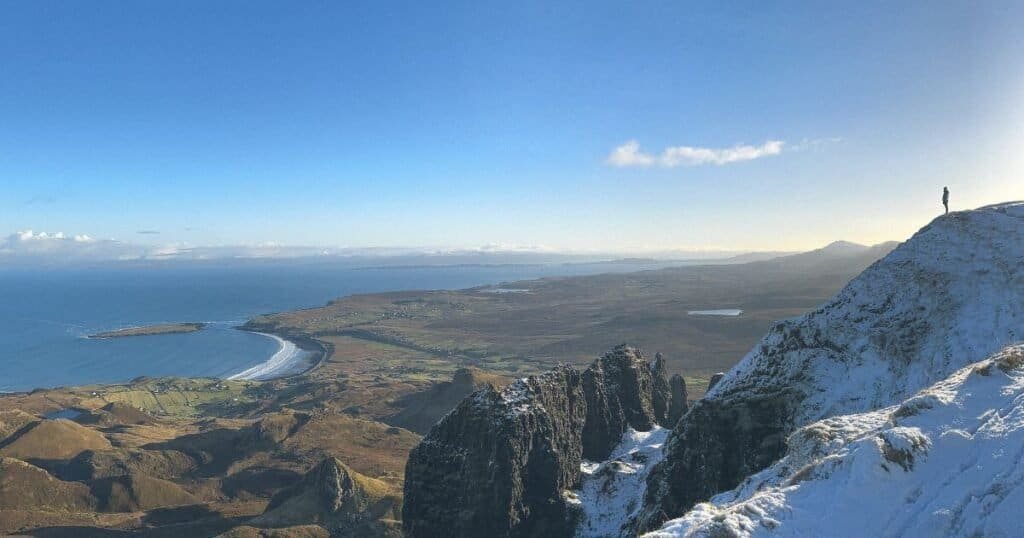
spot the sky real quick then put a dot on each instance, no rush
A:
(610, 126)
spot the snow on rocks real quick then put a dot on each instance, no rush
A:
(949, 296)
(611, 490)
(948, 461)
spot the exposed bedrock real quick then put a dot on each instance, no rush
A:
(501, 462)
(678, 401)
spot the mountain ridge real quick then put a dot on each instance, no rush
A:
(948, 296)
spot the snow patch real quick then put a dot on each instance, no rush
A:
(613, 490)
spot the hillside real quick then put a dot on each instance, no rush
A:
(948, 461)
(949, 296)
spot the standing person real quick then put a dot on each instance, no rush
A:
(945, 198)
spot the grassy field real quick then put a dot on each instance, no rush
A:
(161, 397)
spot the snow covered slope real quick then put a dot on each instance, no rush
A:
(947, 462)
(611, 491)
(951, 295)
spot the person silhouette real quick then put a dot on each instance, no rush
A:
(945, 198)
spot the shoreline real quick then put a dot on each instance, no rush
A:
(307, 352)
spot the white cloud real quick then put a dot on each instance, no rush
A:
(32, 245)
(629, 154)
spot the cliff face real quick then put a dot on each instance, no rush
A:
(678, 404)
(621, 392)
(503, 463)
(661, 391)
(949, 296)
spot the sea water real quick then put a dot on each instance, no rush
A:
(46, 314)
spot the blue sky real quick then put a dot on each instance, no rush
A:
(465, 124)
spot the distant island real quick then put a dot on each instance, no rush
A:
(148, 330)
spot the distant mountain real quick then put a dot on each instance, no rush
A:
(836, 254)
(757, 256)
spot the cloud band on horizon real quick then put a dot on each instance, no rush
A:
(629, 154)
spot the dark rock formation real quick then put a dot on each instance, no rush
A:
(618, 389)
(500, 463)
(700, 446)
(679, 404)
(714, 380)
(661, 392)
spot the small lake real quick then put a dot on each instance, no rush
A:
(68, 413)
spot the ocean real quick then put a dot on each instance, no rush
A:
(46, 314)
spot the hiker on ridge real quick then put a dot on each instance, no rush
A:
(945, 198)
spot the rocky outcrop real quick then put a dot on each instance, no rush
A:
(341, 500)
(620, 393)
(661, 391)
(947, 297)
(679, 404)
(501, 463)
(498, 463)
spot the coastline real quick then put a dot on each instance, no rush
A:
(297, 355)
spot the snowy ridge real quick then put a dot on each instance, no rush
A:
(948, 461)
(611, 490)
(949, 296)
